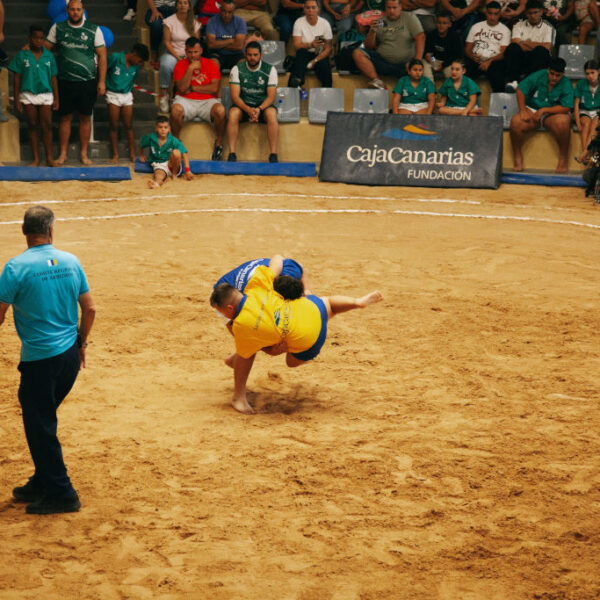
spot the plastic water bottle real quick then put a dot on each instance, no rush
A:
(370, 107)
(504, 116)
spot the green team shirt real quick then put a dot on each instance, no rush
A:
(119, 77)
(459, 98)
(589, 101)
(76, 51)
(36, 75)
(537, 94)
(158, 153)
(253, 84)
(412, 95)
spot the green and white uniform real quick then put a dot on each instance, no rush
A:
(253, 83)
(36, 75)
(76, 49)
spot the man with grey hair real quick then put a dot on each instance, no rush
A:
(44, 286)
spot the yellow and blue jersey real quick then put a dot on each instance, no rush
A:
(264, 318)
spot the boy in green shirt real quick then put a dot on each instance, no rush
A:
(120, 73)
(167, 155)
(36, 91)
(545, 98)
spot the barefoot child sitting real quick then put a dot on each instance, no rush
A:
(459, 93)
(121, 71)
(167, 155)
(414, 94)
(36, 91)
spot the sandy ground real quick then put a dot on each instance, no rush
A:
(443, 446)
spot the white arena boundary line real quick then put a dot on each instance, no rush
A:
(291, 195)
(242, 194)
(349, 211)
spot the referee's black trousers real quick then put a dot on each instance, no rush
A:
(44, 385)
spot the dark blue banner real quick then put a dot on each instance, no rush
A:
(415, 150)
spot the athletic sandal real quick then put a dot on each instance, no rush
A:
(273, 158)
(377, 84)
(232, 157)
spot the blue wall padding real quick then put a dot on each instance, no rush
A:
(64, 173)
(548, 179)
(201, 167)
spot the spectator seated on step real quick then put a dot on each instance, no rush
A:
(442, 46)
(253, 86)
(197, 80)
(254, 13)
(484, 50)
(560, 14)
(176, 29)
(390, 43)
(312, 39)
(225, 36)
(545, 98)
(530, 46)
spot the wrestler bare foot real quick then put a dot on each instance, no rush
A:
(60, 161)
(369, 299)
(241, 405)
(84, 159)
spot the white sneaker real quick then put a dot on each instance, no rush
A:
(377, 84)
(129, 15)
(511, 87)
(163, 104)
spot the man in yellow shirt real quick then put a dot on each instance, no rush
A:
(261, 319)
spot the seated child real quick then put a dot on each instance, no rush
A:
(587, 17)
(459, 93)
(414, 93)
(586, 107)
(167, 156)
(36, 91)
(442, 46)
(121, 71)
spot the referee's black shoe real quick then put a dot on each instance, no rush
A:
(50, 505)
(30, 492)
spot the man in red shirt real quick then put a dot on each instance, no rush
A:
(197, 80)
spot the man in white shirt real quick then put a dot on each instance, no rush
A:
(529, 50)
(312, 39)
(484, 50)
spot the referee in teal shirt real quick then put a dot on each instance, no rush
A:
(44, 286)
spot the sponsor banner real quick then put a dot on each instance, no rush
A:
(418, 150)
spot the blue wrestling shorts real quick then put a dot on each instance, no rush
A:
(315, 349)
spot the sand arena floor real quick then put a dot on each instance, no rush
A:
(445, 445)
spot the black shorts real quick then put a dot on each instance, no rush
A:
(261, 116)
(77, 96)
(226, 61)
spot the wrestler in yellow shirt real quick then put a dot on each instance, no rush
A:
(264, 318)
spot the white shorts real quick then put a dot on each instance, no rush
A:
(119, 99)
(164, 166)
(533, 110)
(590, 114)
(196, 109)
(45, 99)
(414, 107)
